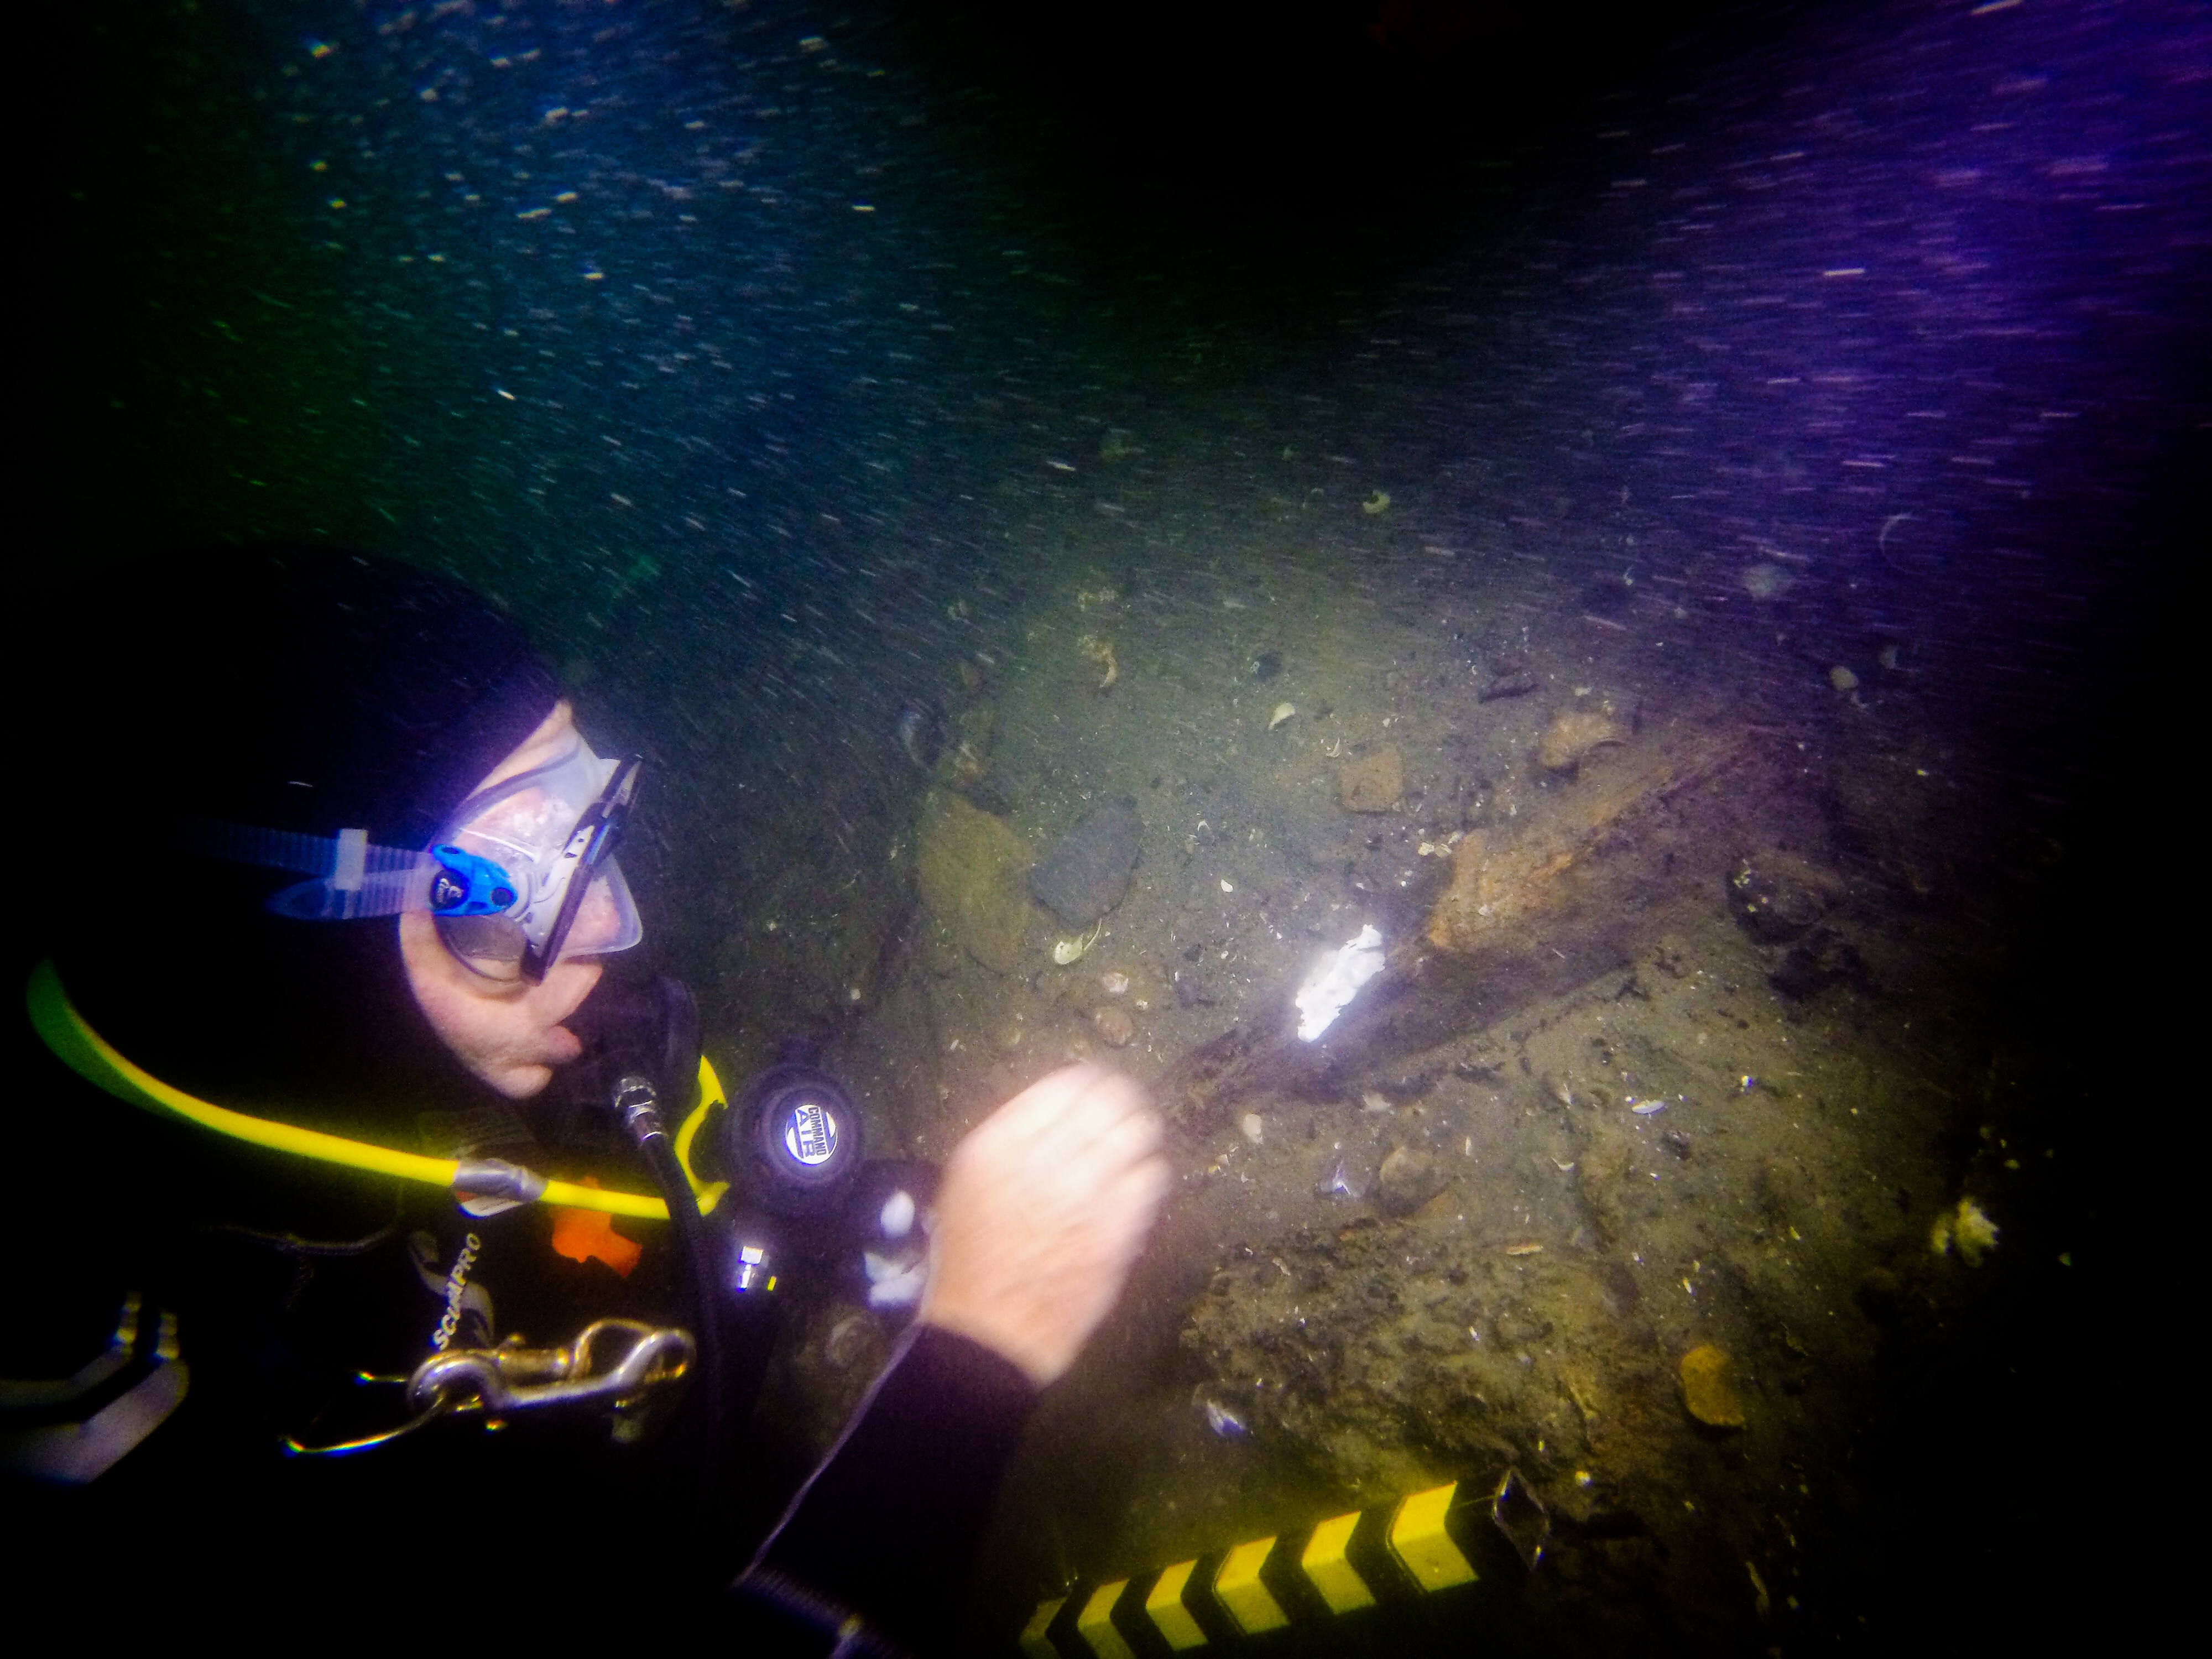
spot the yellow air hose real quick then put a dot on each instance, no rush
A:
(93, 1058)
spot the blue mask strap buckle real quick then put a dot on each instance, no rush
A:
(467, 885)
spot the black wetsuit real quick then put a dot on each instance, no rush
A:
(888, 1525)
(281, 1279)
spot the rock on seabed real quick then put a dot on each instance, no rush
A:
(1709, 1388)
(970, 869)
(1573, 734)
(1373, 783)
(1086, 872)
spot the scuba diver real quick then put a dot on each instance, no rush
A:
(382, 1223)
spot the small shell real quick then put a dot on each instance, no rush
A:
(1646, 1108)
(1253, 1126)
(1283, 711)
(1114, 1025)
(1340, 1182)
(1101, 652)
(1067, 950)
(1113, 984)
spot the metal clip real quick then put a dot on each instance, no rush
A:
(510, 1378)
(501, 1381)
(496, 1178)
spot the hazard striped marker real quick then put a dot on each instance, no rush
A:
(1400, 1554)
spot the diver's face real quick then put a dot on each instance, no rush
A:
(508, 1032)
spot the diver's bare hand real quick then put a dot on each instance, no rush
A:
(1042, 1211)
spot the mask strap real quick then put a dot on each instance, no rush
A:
(352, 876)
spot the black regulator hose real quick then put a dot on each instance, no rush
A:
(637, 1103)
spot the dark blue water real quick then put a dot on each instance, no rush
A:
(653, 320)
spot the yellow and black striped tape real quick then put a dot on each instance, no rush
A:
(1401, 1554)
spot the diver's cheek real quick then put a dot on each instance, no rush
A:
(565, 988)
(509, 1037)
(563, 993)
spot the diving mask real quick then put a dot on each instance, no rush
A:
(522, 875)
(526, 872)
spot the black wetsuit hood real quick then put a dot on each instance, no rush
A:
(286, 687)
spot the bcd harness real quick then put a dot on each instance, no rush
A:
(613, 1362)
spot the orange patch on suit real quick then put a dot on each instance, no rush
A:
(590, 1235)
